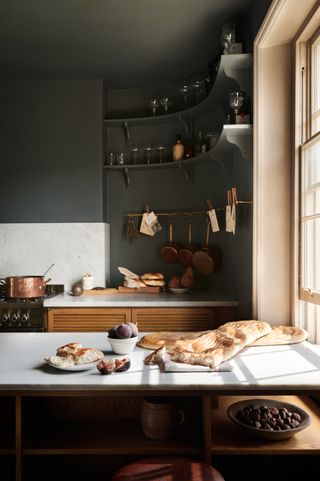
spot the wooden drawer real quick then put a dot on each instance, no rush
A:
(174, 318)
(96, 319)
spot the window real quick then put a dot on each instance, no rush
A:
(309, 173)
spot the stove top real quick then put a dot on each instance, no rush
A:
(51, 291)
(25, 315)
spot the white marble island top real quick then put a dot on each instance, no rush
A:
(288, 368)
(196, 299)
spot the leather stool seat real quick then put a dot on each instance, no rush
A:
(167, 469)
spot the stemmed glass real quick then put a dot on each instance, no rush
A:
(198, 89)
(154, 106)
(160, 149)
(147, 154)
(165, 104)
(134, 155)
(185, 90)
(236, 101)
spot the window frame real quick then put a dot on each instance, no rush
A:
(305, 137)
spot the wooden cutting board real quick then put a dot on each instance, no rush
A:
(139, 290)
(99, 292)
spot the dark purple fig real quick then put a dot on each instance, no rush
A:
(106, 366)
(124, 331)
(122, 365)
(113, 332)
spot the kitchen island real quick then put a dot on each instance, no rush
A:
(153, 312)
(48, 414)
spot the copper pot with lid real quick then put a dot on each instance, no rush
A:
(169, 252)
(209, 258)
(185, 254)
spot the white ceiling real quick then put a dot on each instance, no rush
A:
(126, 42)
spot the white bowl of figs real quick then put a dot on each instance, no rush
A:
(123, 337)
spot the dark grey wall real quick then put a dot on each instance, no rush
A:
(50, 151)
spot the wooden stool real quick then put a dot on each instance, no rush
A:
(167, 469)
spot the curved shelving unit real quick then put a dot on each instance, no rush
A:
(229, 76)
(232, 137)
(232, 75)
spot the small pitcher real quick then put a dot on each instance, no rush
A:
(160, 418)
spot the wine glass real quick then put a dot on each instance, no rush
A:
(165, 104)
(185, 90)
(160, 149)
(147, 154)
(134, 158)
(154, 106)
(236, 101)
(198, 88)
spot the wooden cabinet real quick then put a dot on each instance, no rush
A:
(93, 434)
(95, 319)
(86, 319)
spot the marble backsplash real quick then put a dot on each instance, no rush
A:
(74, 248)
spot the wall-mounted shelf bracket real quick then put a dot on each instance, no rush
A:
(126, 131)
(127, 176)
(241, 139)
(224, 161)
(185, 125)
(188, 173)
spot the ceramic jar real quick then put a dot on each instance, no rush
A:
(160, 418)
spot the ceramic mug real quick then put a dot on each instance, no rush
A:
(160, 418)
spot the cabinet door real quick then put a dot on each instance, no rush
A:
(174, 318)
(86, 319)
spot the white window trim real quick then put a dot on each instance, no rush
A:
(274, 221)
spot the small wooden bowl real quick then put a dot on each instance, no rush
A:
(233, 409)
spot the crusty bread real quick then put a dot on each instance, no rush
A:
(132, 283)
(127, 273)
(61, 361)
(210, 348)
(68, 348)
(282, 335)
(154, 282)
(72, 354)
(87, 355)
(152, 276)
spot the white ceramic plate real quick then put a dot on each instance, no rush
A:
(180, 290)
(77, 367)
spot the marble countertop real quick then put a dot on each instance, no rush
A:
(141, 300)
(287, 368)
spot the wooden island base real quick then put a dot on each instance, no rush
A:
(93, 434)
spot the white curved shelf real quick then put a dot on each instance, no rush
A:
(231, 72)
(232, 137)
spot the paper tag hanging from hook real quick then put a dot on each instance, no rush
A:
(233, 210)
(145, 228)
(213, 220)
(213, 217)
(228, 213)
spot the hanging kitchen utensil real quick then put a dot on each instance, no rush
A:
(185, 254)
(209, 258)
(132, 233)
(48, 270)
(169, 253)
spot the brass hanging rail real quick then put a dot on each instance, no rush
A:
(189, 212)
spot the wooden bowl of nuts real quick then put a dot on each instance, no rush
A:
(268, 418)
